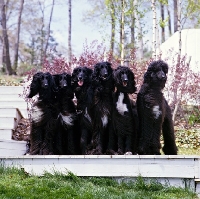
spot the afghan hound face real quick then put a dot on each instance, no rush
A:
(156, 74)
(102, 71)
(81, 76)
(41, 81)
(124, 79)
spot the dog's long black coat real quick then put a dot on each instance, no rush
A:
(103, 87)
(44, 114)
(81, 83)
(66, 140)
(124, 115)
(154, 113)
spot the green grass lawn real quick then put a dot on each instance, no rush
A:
(15, 184)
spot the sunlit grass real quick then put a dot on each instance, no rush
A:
(15, 183)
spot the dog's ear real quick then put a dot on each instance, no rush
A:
(164, 67)
(116, 75)
(96, 70)
(35, 85)
(132, 81)
(69, 79)
(52, 84)
(89, 71)
(110, 70)
(73, 77)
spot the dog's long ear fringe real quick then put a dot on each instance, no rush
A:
(35, 85)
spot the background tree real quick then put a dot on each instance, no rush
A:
(122, 32)
(69, 32)
(16, 54)
(6, 51)
(175, 16)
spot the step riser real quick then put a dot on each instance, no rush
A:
(11, 89)
(8, 123)
(6, 134)
(13, 98)
(16, 104)
(5, 112)
(12, 152)
(12, 145)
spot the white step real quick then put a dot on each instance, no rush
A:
(12, 147)
(11, 97)
(6, 134)
(10, 112)
(11, 89)
(8, 123)
(12, 103)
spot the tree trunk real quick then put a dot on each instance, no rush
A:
(9, 69)
(133, 20)
(49, 29)
(140, 35)
(177, 102)
(162, 27)
(112, 39)
(69, 34)
(122, 33)
(153, 6)
(175, 16)
(169, 20)
(18, 34)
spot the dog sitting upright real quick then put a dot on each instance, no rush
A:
(44, 114)
(103, 87)
(81, 83)
(66, 138)
(124, 112)
(154, 113)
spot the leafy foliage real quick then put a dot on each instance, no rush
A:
(188, 138)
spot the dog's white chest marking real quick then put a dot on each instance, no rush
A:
(104, 120)
(87, 115)
(121, 107)
(156, 112)
(36, 114)
(68, 120)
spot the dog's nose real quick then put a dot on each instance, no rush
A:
(80, 77)
(45, 85)
(124, 78)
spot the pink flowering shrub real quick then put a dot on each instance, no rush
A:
(182, 86)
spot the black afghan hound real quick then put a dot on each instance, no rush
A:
(81, 83)
(124, 111)
(66, 139)
(154, 113)
(44, 114)
(103, 87)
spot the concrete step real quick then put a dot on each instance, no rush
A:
(6, 134)
(12, 147)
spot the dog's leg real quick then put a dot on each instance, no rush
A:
(35, 140)
(168, 133)
(84, 141)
